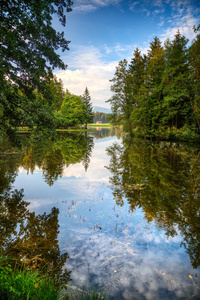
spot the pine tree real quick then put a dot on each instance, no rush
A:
(194, 63)
(135, 89)
(121, 99)
(87, 100)
(153, 88)
(176, 84)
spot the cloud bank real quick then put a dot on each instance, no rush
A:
(88, 68)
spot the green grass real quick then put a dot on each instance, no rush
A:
(100, 125)
(90, 126)
(71, 129)
(20, 283)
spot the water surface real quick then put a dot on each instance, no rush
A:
(117, 215)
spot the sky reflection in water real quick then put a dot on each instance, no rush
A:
(110, 247)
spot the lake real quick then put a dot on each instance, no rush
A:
(105, 212)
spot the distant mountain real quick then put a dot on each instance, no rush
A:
(102, 109)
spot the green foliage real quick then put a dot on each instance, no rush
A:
(176, 85)
(119, 87)
(157, 95)
(103, 117)
(27, 57)
(87, 100)
(73, 112)
(22, 283)
(194, 59)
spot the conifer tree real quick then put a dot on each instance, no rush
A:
(136, 73)
(122, 98)
(176, 85)
(194, 63)
(87, 100)
(153, 88)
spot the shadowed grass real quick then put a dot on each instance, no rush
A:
(23, 283)
(17, 282)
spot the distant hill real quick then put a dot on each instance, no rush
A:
(102, 109)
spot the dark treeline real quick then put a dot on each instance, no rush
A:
(158, 95)
(100, 116)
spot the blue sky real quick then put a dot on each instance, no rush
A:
(102, 32)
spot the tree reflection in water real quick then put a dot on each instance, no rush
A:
(53, 156)
(26, 236)
(164, 180)
(30, 238)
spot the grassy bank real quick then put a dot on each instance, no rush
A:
(89, 127)
(19, 282)
(100, 125)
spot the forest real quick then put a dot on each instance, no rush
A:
(155, 95)
(30, 95)
(158, 95)
(100, 116)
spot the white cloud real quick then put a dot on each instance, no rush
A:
(83, 6)
(184, 24)
(158, 11)
(96, 78)
(146, 11)
(108, 49)
(87, 68)
(133, 5)
(184, 17)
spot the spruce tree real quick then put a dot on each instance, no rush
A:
(87, 100)
(136, 73)
(121, 99)
(176, 85)
(153, 88)
(194, 63)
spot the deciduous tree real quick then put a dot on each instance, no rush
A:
(28, 55)
(73, 112)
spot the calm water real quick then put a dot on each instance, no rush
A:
(117, 215)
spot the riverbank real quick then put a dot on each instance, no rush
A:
(92, 126)
(18, 281)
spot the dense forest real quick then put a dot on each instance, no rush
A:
(100, 116)
(30, 95)
(158, 95)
